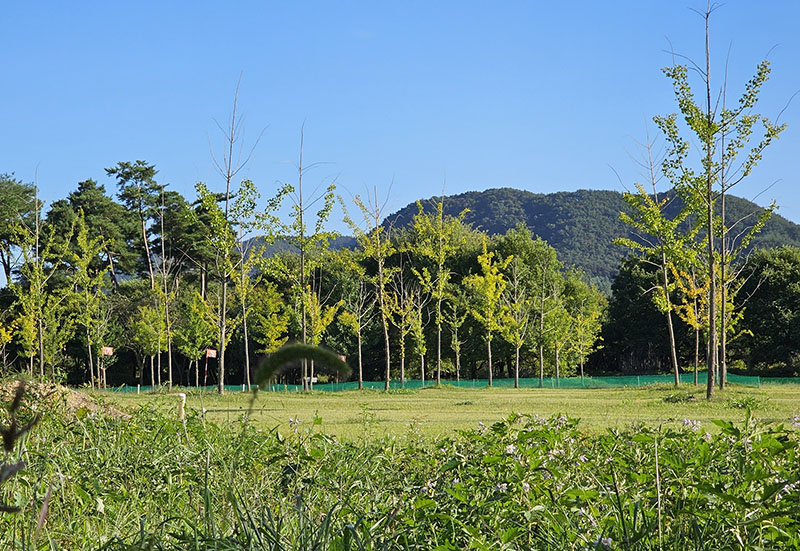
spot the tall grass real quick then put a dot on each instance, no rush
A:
(151, 482)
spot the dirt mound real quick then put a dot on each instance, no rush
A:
(50, 395)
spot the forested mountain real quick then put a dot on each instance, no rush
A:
(581, 225)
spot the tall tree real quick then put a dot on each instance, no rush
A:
(404, 313)
(378, 247)
(487, 287)
(246, 276)
(139, 192)
(417, 301)
(105, 218)
(723, 134)
(659, 239)
(228, 166)
(585, 305)
(358, 309)
(45, 307)
(306, 240)
(434, 236)
(17, 205)
(148, 334)
(455, 314)
(89, 288)
(519, 312)
(543, 279)
(222, 239)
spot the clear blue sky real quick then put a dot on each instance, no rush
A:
(542, 96)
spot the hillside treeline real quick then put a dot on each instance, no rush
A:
(184, 294)
(582, 225)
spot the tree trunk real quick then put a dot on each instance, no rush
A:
(169, 359)
(439, 345)
(558, 367)
(422, 368)
(382, 300)
(458, 361)
(360, 366)
(246, 347)
(112, 270)
(6, 262)
(516, 367)
(489, 347)
(147, 249)
(696, 353)
(152, 373)
(223, 329)
(723, 364)
(158, 359)
(91, 359)
(672, 350)
(712, 291)
(41, 347)
(541, 365)
(402, 367)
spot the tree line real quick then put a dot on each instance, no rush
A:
(162, 279)
(435, 299)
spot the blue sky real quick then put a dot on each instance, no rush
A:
(467, 95)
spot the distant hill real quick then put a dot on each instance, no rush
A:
(580, 225)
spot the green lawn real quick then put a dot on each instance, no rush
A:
(438, 411)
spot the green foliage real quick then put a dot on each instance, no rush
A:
(17, 205)
(106, 220)
(89, 285)
(320, 315)
(434, 237)
(271, 319)
(771, 301)
(46, 317)
(487, 288)
(195, 330)
(149, 329)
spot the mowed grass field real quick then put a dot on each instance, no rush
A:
(437, 412)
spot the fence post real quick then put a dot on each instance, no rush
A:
(182, 408)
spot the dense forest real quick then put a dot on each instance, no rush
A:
(162, 279)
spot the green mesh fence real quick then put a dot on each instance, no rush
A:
(548, 382)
